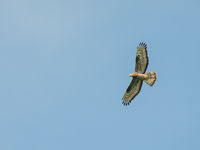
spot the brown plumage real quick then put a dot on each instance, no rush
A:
(139, 75)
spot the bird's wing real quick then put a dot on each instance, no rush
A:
(132, 90)
(142, 60)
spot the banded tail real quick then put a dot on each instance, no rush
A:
(151, 78)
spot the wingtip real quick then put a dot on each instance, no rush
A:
(125, 104)
(143, 44)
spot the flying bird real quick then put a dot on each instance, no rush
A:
(141, 63)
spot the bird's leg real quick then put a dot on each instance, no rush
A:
(139, 75)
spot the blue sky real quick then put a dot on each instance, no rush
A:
(65, 65)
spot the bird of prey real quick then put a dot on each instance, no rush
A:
(139, 75)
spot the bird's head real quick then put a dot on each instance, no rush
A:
(133, 74)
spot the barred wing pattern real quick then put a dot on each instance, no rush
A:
(140, 67)
(132, 90)
(142, 60)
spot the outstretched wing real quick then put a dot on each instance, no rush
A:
(132, 90)
(142, 60)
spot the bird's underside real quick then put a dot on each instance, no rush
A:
(139, 75)
(149, 77)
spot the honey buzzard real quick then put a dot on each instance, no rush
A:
(139, 75)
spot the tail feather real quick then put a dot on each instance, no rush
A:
(151, 78)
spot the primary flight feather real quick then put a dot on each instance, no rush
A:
(141, 63)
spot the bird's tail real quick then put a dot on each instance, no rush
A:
(151, 78)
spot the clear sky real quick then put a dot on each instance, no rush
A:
(64, 68)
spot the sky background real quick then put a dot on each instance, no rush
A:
(64, 68)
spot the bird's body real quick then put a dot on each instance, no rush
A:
(139, 75)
